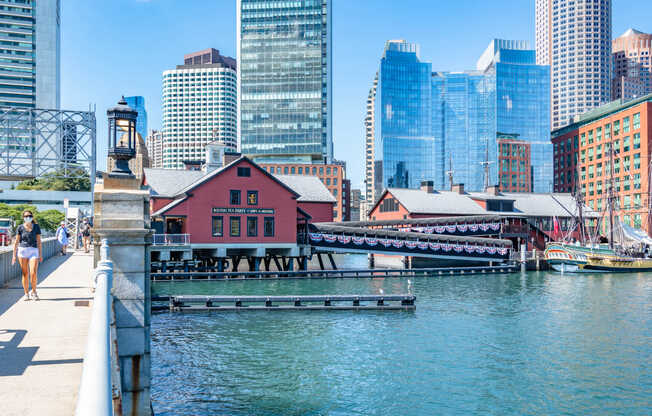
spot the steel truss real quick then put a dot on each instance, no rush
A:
(36, 141)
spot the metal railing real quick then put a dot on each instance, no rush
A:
(171, 239)
(95, 390)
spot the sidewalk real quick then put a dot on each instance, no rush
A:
(42, 342)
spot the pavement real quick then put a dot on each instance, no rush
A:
(42, 343)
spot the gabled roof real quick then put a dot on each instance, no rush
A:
(548, 205)
(168, 182)
(169, 206)
(417, 201)
(311, 188)
(632, 31)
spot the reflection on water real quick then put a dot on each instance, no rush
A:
(535, 343)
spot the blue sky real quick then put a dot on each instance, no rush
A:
(116, 47)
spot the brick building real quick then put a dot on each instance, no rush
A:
(514, 167)
(332, 175)
(582, 157)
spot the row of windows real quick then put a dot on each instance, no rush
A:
(389, 205)
(252, 197)
(300, 170)
(217, 226)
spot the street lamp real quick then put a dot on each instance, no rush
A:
(122, 137)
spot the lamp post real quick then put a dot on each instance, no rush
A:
(122, 138)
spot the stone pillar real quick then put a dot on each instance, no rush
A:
(122, 217)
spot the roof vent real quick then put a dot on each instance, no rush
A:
(493, 190)
(458, 188)
(428, 187)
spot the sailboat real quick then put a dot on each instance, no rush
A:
(629, 249)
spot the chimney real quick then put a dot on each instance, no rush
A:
(230, 157)
(428, 186)
(493, 190)
(458, 188)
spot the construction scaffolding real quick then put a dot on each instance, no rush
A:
(36, 141)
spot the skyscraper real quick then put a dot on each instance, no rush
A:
(574, 38)
(154, 144)
(284, 80)
(631, 65)
(138, 104)
(30, 49)
(369, 128)
(199, 106)
(522, 102)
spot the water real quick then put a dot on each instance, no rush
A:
(531, 344)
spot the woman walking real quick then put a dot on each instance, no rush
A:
(27, 248)
(86, 235)
(62, 237)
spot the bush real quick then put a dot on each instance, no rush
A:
(57, 181)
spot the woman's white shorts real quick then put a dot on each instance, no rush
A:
(27, 252)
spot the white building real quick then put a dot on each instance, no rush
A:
(30, 54)
(574, 38)
(199, 107)
(370, 140)
(154, 145)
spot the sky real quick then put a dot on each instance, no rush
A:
(121, 47)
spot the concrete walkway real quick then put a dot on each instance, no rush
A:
(42, 342)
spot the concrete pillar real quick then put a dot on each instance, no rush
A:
(122, 217)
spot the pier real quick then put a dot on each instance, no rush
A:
(189, 303)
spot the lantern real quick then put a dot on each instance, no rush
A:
(122, 137)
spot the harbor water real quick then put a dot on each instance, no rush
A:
(537, 343)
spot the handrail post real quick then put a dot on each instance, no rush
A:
(95, 390)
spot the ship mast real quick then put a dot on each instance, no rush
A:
(579, 199)
(450, 171)
(611, 196)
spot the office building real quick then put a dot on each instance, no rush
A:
(284, 80)
(583, 160)
(30, 54)
(514, 169)
(332, 175)
(154, 146)
(631, 65)
(574, 38)
(138, 104)
(370, 140)
(522, 102)
(199, 106)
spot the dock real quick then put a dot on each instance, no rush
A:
(189, 303)
(334, 273)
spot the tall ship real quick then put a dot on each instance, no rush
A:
(627, 249)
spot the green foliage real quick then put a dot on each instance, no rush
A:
(48, 220)
(56, 181)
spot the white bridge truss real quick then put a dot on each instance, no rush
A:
(36, 141)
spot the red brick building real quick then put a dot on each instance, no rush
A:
(582, 158)
(514, 167)
(239, 203)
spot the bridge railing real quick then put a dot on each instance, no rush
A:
(171, 239)
(95, 391)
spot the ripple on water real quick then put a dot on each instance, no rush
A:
(534, 344)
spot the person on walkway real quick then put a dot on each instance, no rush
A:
(86, 235)
(62, 237)
(27, 248)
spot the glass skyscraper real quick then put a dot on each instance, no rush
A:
(522, 102)
(138, 103)
(429, 125)
(284, 80)
(30, 54)
(405, 130)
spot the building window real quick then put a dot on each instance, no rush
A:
(235, 197)
(637, 121)
(328, 171)
(235, 226)
(285, 170)
(268, 225)
(626, 125)
(321, 171)
(292, 170)
(300, 170)
(252, 226)
(271, 169)
(218, 226)
(252, 197)
(244, 172)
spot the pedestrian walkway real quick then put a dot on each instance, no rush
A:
(42, 342)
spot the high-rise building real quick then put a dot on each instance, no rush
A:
(631, 65)
(284, 80)
(522, 102)
(574, 38)
(30, 54)
(514, 170)
(138, 104)
(155, 148)
(369, 128)
(608, 148)
(199, 106)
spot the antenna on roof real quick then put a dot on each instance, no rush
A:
(450, 171)
(485, 164)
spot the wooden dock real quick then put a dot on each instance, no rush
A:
(335, 274)
(189, 303)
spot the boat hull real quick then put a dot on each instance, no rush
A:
(577, 259)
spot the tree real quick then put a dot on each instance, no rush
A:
(57, 181)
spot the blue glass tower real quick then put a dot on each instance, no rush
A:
(522, 102)
(138, 103)
(404, 134)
